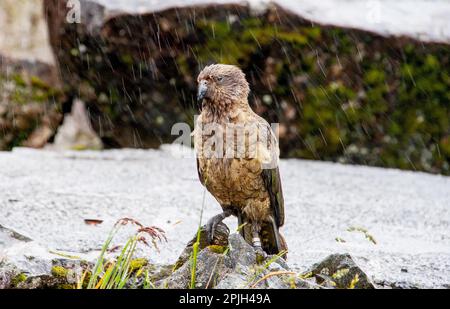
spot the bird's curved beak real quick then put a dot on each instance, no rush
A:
(202, 90)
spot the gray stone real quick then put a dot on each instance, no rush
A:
(240, 251)
(341, 271)
(235, 280)
(210, 269)
(236, 268)
(8, 237)
(26, 264)
(76, 132)
(220, 239)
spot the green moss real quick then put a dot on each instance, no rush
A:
(20, 137)
(19, 81)
(39, 83)
(59, 272)
(137, 264)
(374, 76)
(127, 59)
(259, 259)
(224, 43)
(217, 249)
(177, 265)
(18, 279)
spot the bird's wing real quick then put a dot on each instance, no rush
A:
(200, 175)
(272, 182)
(271, 174)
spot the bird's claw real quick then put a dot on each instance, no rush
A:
(211, 227)
(261, 255)
(212, 224)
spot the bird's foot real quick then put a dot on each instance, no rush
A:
(261, 255)
(212, 224)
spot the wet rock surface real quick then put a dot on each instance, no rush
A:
(407, 214)
(26, 264)
(341, 271)
(226, 263)
(30, 103)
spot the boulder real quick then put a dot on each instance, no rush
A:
(228, 263)
(24, 34)
(30, 103)
(76, 132)
(211, 263)
(232, 264)
(340, 271)
(26, 264)
(339, 93)
(28, 78)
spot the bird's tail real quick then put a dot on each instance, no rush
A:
(272, 241)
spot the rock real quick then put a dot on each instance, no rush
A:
(25, 264)
(30, 103)
(236, 280)
(24, 32)
(76, 132)
(241, 252)
(220, 242)
(227, 263)
(9, 237)
(30, 90)
(341, 271)
(400, 285)
(39, 137)
(210, 268)
(210, 261)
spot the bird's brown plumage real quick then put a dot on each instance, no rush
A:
(247, 182)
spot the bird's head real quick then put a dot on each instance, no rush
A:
(222, 84)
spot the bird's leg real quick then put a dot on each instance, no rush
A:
(212, 223)
(256, 240)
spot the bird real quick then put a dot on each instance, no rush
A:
(237, 159)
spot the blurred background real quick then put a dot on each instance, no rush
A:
(371, 89)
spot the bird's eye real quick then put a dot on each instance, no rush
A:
(220, 78)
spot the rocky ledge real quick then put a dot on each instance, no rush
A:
(228, 263)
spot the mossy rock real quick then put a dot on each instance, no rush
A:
(339, 94)
(18, 279)
(28, 103)
(217, 249)
(137, 264)
(59, 272)
(218, 245)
